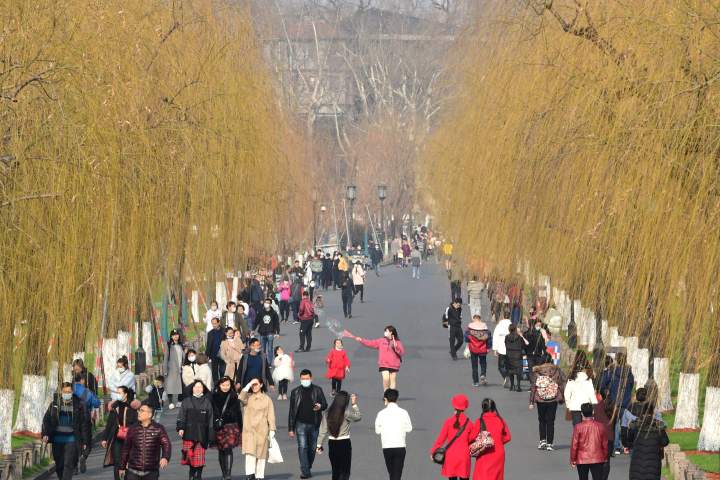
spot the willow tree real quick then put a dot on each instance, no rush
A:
(583, 142)
(139, 142)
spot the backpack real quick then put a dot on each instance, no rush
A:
(546, 388)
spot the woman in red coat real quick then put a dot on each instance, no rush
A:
(337, 365)
(457, 457)
(491, 464)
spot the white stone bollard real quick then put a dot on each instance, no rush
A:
(605, 333)
(124, 345)
(80, 355)
(67, 373)
(7, 402)
(109, 355)
(32, 404)
(615, 338)
(641, 370)
(221, 295)
(710, 432)
(687, 412)
(195, 308)
(661, 374)
(235, 289)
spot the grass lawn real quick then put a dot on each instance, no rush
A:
(709, 463)
(19, 440)
(35, 469)
(666, 474)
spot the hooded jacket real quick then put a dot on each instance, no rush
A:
(551, 371)
(502, 329)
(478, 338)
(579, 391)
(267, 322)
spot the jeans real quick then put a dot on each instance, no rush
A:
(576, 417)
(306, 334)
(361, 290)
(284, 310)
(394, 461)
(340, 454)
(546, 420)
(307, 435)
(150, 476)
(217, 367)
(475, 359)
(295, 307)
(584, 469)
(347, 305)
(502, 365)
(66, 457)
(266, 342)
(516, 314)
(456, 340)
(416, 271)
(618, 443)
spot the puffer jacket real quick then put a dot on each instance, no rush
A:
(589, 443)
(144, 447)
(647, 437)
(548, 370)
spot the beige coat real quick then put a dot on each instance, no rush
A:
(231, 353)
(258, 422)
(199, 372)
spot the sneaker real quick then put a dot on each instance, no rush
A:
(171, 406)
(300, 349)
(618, 451)
(483, 380)
(279, 397)
(295, 322)
(542, 445)
(476, 384)
(505, 382)
(317, 324)
(83, 464)
(549, 447)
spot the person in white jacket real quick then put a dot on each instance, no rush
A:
(122, 377)
(213, 312)
(197, 368)
(358, 279)
(502, 330)
(578, 390)
(393, 424)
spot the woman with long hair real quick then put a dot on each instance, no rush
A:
(390, 353)
(195, 427)
(578, 390)
(258, 427)
(335, 426)
(228, 423)
(123, 415)
(173, 368)
(491, 464)
(457, 433)
(122, 377)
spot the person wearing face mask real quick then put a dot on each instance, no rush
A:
(121, 377)
(535, 349)
(268, 328)
(195, 426)
(231, 351)
(390, 352)
(228, 424)
(213, 342)
(196, 368)
(233, 318)
(66, 425)
(121, 417)
(282, 373)
(147, 448)
(213, 312)
(253, 364)
(172, 366)
(258, 427)
(307, 402)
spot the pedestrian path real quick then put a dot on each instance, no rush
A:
(427, 381)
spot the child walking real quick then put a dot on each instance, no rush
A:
(283, 372)
(319, 306)
(156, 396)
(338, 365)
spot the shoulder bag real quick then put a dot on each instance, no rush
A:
(438, 455)
(122, 429)
(219, 422)
(483, 442)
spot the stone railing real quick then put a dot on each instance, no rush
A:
(680, 467)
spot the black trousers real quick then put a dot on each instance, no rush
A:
(116, 450)
(284, 310)
(340, 454)
(66, 457)
(282, 387)
(336, 384)
(347, 306)
(546, 420)
(217, 367)
(502, 365)
(456, 340)
(586, 469)
(361, 290)
(150, 476)
(306, 334)
(394, 461)
(476, 359)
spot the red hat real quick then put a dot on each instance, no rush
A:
(460, 402)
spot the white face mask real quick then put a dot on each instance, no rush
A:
(122, 370)
(230, 337)
(213, 308)
(388, 335)
(257, 350)
(191, 358)
(197, 395)
(267, 306)
(306, 383)
(67, 397)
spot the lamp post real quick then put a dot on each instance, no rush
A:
(382, 195)
(323, 209)
(351, 195)
(314, 200)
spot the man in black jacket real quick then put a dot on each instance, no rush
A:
(267, 326)
(146, 449)
(453, 320)
(307, 402)
(212, 348)
(66, 425)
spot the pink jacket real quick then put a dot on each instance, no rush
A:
(388, 357)
(284, 288)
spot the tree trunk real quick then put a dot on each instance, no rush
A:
(686, 414)
(221, 294)
(641, 369)
(124, 346)
(109, 355)
(710, 433)
(661, 375)
(615, 338)
(32, 404)
(195, 306)
(7, 401)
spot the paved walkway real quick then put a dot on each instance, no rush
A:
(426, 382)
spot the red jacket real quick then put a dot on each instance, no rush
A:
(337, 361)
(589, 442)
(306, 311)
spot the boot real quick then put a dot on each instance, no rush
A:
(229, 465)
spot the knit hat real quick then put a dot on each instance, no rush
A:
(460, 402)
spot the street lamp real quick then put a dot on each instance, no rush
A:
(382, 195)
(351, 195)
(314, 200)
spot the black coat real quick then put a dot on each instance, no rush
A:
(195, 418)
(121, 414)
(647, 438)
(81, 421)
(232, 412)
(536, 343)
(454, 316)
(514, 346)
(272, 327)
(296, 397)
(213, 341)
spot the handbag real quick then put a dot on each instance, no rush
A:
(122, 429)
(568, 415)
(274, 453)
(483, 442)
(438, 455)
(219, 422)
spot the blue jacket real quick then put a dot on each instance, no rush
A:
(619, 390)
(86, 395)
(212, 344)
